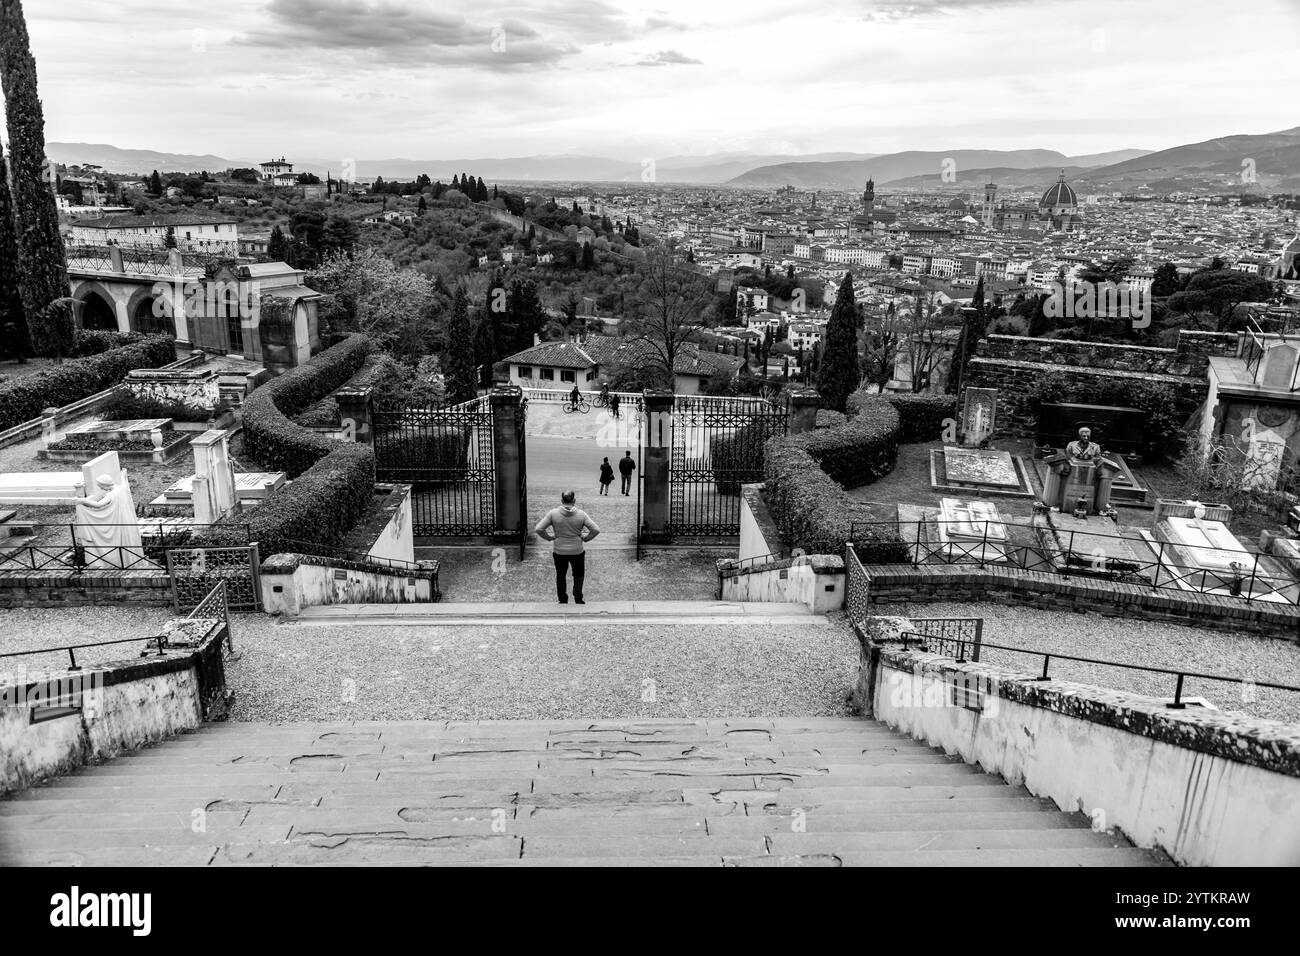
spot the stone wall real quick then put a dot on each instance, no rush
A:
(1013, 363)
(113, 708)
(903, 583)
(388, 530)
(291, 582)
(814, 580)
(1207, 788)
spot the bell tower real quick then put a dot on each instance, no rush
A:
(990, 197)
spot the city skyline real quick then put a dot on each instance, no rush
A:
(367, 79)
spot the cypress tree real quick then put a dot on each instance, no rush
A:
(277, 249)
(13, 323)
(838, 376)
(155, 184)
(458, 369)
(43, 268)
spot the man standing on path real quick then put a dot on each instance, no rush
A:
(564, 525)
(625, 468)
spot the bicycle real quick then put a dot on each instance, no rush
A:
(583, 406)
(601, 401)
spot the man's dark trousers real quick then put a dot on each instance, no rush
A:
(562, 564)
(627, 483)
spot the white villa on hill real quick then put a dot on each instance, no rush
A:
(561, 365)
(193, 233)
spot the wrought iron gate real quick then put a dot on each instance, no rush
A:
(446, 455)
(717, 447)
(194, 572)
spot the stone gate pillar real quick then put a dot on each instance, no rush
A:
(213, 492)
(657, 443)
(354, 414)
(505, 401)
(804, 403)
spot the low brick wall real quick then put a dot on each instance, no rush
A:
(1208, 788)
(903, 583)
(66, 589)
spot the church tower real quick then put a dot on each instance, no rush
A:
(869, 199)
(990, 195)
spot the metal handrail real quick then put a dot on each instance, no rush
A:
(1180, 674)
(220, 586)
(347, 554)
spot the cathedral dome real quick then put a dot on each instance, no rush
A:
(1059, 195)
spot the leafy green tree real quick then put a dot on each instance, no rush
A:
(277, 249)
(838, 376)
(339, 235)
(42, 262)
(1165, 281)
(1220, 291)
(485, 347)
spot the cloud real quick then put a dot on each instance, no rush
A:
(667, 58)
(403, 33)
(892, 10)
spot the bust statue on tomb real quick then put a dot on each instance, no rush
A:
(1084, 448)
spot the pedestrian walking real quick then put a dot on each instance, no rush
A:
(625, 468)
(606, 477)
(613, 405)
(564, 526)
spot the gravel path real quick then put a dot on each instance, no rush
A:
(295, 672)
(1174, 646)
(292, 672)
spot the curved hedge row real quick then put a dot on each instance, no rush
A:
(807, 474)
(74, 379)
(269, 435)
(921, 418)
(333, 481)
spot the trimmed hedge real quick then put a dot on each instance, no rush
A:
(741, 451)
(806, 476)
(334, 481)
(269, 435)
(921, 417)
(74, 379)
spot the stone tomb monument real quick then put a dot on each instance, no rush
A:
(971, 529)
(106, 527)
(1080, 478)
(1200, 554)
(978, 416)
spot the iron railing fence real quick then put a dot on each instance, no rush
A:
(1179, 674)
(59, 547)
(1100, 555)
(214, 607)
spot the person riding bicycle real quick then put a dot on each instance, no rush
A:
(575, 396)
(604, 393)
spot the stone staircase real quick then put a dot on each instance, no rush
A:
(740, 792)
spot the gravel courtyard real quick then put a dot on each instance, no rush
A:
(299, 672)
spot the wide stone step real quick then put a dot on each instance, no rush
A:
(552, 613)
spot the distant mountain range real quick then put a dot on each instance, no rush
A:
(713, 168)
(934, 164)
(1227, 163)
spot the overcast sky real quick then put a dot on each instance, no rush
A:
(451, 79)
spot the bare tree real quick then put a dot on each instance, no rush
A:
(672, 299)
